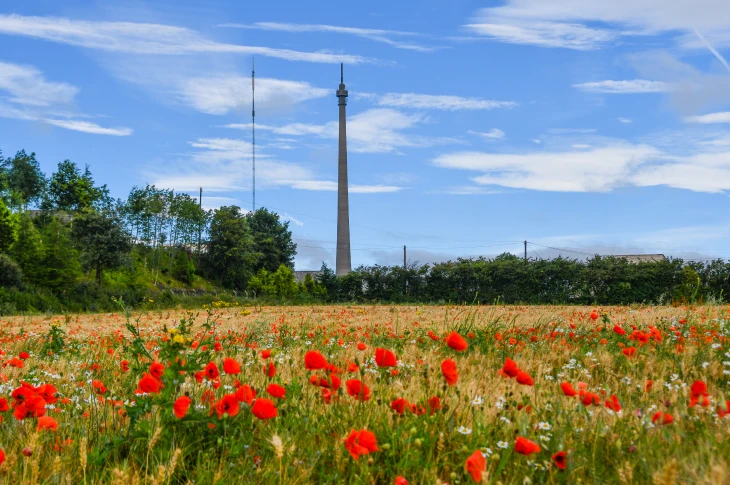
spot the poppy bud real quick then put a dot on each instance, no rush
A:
(27, 452)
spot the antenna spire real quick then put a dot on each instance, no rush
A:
(342, 73)
(253, 130)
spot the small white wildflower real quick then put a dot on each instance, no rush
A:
(505, 419)
(705, 365)
(477, 401)
(502, 444)
(464, 430)
(544, 426)
(544, 438)
(588, 354)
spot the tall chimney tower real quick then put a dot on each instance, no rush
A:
(343, 264)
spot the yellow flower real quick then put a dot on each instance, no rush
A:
(179, 339)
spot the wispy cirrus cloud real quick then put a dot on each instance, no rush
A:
(435, 101)
(698, 163)
(377, 35)
(223, 165)
(492, 135)
(220, 94)
(27, 85)
(32, 98)
(88, 127)
(710, 118)
(625, 87)
(147, 39)
(378, 130)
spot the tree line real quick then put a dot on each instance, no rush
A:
(65, 243)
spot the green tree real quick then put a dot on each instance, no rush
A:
(8, 228)
(102, 241)
(183, 268)
(10, 273)
(70, 190)
(28, 249)
(25, 181)
(273, 240)
(283, 282)
(231, 258)
(60, 266)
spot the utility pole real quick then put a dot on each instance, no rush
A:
(525, 251)
(200, 206)
(404, 257)
(253, 132)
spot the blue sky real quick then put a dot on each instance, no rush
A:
(583, 125)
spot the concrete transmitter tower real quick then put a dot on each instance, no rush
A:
(343, 264)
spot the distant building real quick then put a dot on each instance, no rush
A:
(64, 217)
(300, 275)
(642, 258)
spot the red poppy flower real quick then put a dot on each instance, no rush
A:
(124, 365)
(49, 393)
(525, 379)
(594, 315)
(2, 456)
(211, 371)
(662, 418)
(245, 394)
(269, 369)
(399, 405)
(156, 370)
(568, 389)
(456, 342)
(560, 459)
(148, 385)
(449, 371)
(230, 366)
(361, 443)
(98, 387)
(385, 358)
(227, 405)
(265, 354)
(699, 394)
(3, 404)
(47, 422)
(524, 446)
(313, 360)
(510, 368)
(589, 398)
(433, 336)
(180, 408)
(434, 404)
(619, 330)
(17, 363)
(33, 406)
(398, 480)
(276, 391)
(264, 409)
(724, 412)
(613, 404)
(357, 389)
(475, 466)
(629, 352)
(24, 355)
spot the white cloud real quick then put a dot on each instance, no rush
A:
(625, 87)
(146, 38)
(431, 101)
(287, 217)
(220, 94)
(686, 161)
(515, 30)
(594, 170)
(377, 35)
(709, 118)
(625, 120)
(378, 130)
(27, 85)
(89, 127)
(224, 165)
(491, 135)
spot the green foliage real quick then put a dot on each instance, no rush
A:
(59, 268)
(102, 241)
(8, 228)
(10, 273)
(28, 250)
(272, 240)
(183, 268)
(312, 289)
(25, 183)
(279, 284)
(70, 190)
(230, 257)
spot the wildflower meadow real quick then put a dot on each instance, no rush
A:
(368, 395)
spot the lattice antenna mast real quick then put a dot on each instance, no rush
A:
(253, 130)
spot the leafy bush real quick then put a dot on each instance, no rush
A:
(10, 273)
